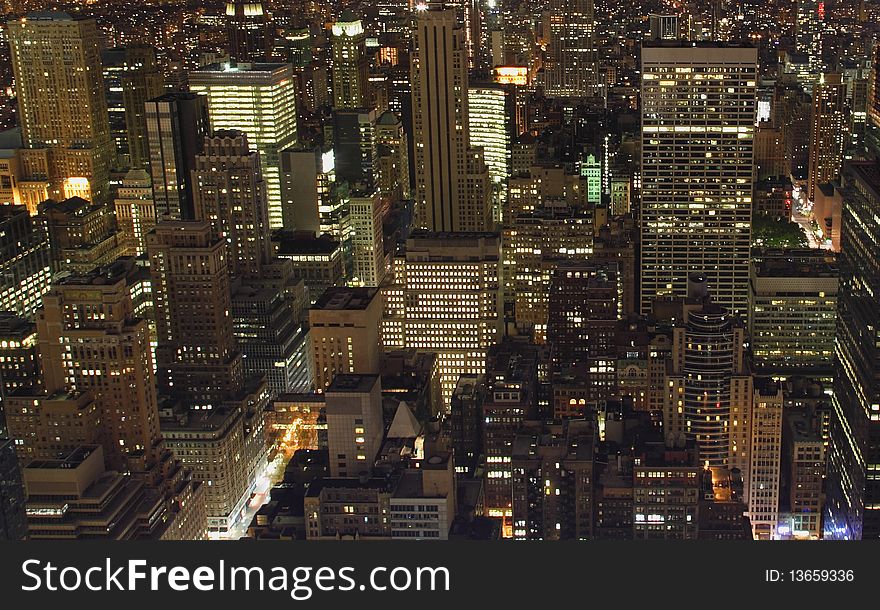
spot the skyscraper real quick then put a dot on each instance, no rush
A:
(447, 299)
(698, 123)
(197, 353)
(491, 127)
(440, 127)
(853, 490)
(260, 100)
(571, 55)
(92, 341)
(828, 131)
(248, 32)
(177, 124)
(808, 32)
(350, 62)
(135, 211)
(62, 107)
(230, 193)
(354, 424)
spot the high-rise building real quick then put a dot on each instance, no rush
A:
(443, 164)
(570, 66)
(82, 234)
(260, 100)
(344, 328)
(272, 339)
(828, 131)
(13, 522)
(230, 193)
(808, 32)
(511, 398)
(355, 427)
(91, 341)
(793, 304)
(765, 458)
(132, 76)
(135, 211)
(25, 262)
(853, 492)
(177, 124)
(309, 201)
(491, 127)
(355, 147)
(708, 384)
(61, 104)
(698, 123)
(19, 358)
(197, 355)
(393, 151)
(368, 249)
(350, 62)
(447, 299)
(249, 34)
(803, 463)
(466, 422)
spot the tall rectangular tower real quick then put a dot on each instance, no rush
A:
(571, 54)
(440, 126)
(61, 103)
(260, 100)
(698, 124)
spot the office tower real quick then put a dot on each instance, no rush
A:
(808, 32)
(25, 262)
(852, 491)
(447, 299)
(765, 454)
(368, 248)
(355, 427)
(64, 128)
(230, 193)
(19, 358)
(132, 76)
(355, 146)
(82, 235)
(803, 472)
(582, 312)
(309, 202)
(511, 397)
(828, 132)
(466, 426)
(272, 340)
(13, 522)
(491, 127)
(177, 124)
(91, 341)
(552, 482)
(697, 140)
(793, 304)
(344, 327)
(443, 163)
(250, 37)
(393, 151)
(350, 62)
(570, 65)
(710, 390)
(135, 211)
(197, 356)
(214, 445)
(260, 100)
